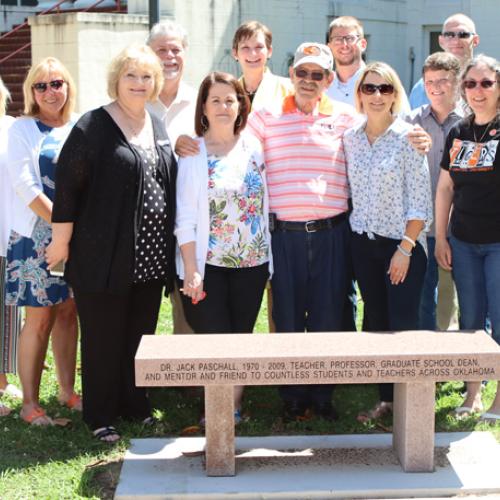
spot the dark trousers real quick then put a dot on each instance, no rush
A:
(111, 329)
(233, 300)
(387, 307)
(310, 283)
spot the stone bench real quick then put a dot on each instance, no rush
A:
(413, 360)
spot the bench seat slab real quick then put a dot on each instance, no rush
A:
(219, 430)
(413, 425)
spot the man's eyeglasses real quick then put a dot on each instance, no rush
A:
(315, 76)
(458, 34)
(41, 87)
(340, 40)
(370, 88)
(472, 84)
(437, 83)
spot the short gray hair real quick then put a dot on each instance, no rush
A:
(168, 28)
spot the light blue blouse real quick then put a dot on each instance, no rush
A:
(389, 182)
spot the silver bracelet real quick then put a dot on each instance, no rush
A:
(403, 251)
(409, 240)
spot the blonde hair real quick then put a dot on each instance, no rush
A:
(390, 76)
(141, 56)
(346, 22)
(4, 98)
(46, 65)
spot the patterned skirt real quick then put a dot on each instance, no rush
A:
(10, 326)
(29, 282)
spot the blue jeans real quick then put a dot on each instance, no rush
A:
(310, 283)
(428, 304)
(476, 271)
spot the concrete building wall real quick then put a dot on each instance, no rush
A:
(86, 43)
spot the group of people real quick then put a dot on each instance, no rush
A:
(308, 182)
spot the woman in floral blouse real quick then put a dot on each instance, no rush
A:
(222, 216)
(391, 195)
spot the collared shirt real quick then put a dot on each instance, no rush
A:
(425, 117)
(418, 97)
(178, 118)
(304, 157)
(344, 91)
(389, 182)
(271, 91)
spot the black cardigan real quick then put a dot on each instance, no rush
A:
(99, 188)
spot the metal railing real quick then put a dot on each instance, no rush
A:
(56, 8)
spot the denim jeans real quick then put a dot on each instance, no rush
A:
(437, 307)
(312, 275)
(476, 271)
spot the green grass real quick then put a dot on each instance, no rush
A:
(60, 463)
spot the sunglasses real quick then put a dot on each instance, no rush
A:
(370, 88)
(41, 87)
(459, 34)
(472, 84)
(315, 76)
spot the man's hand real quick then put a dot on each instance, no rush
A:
(186, 146)
(420, 139)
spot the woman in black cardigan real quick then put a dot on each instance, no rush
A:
(113, 220)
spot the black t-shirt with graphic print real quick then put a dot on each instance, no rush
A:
(474, 167)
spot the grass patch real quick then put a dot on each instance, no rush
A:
(67, 463)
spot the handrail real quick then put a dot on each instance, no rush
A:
(47, 11)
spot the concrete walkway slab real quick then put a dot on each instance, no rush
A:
(309, 467)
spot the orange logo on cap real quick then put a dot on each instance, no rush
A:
(311, 50)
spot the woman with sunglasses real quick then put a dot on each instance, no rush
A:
(35, 141)
(222, 217)
(469, 190)
(114, 214)
(392, 209)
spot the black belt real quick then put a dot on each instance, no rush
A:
(311, 226)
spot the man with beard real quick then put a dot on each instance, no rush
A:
(347, 43)
(175, 107)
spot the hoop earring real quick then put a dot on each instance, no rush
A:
(204, 123)
(238, 122)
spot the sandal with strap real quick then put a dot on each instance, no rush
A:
(107, 434)
(73, 403)
(37, 416)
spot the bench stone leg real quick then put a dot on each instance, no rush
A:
(413, 426)
(219, 430)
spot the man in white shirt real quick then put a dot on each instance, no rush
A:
(175, 107)
(347, 43)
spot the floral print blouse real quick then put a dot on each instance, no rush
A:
(389, 182)
(237, 236)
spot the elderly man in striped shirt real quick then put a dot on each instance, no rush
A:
(308, 200)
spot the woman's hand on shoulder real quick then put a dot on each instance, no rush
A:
(56, 252)
(420, 140)
(186, 146)
(193, 286)
(442, 253)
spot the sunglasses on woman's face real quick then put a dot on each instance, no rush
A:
(370, 88)
(41, 87)
(472, 84)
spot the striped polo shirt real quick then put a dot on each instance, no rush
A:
(304, 157)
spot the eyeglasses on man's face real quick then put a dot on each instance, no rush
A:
(348, 39)
(462, 35)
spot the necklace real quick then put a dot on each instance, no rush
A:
(484, 133)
